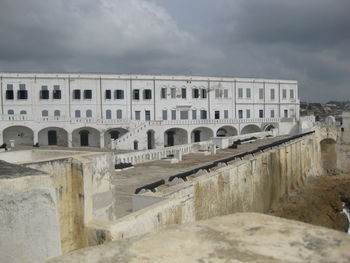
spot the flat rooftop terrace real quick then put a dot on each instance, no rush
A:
(127, 181)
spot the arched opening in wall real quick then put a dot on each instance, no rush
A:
(269, 127)
(201, 134)
(113, 134)
(86, 136)
(53, 136)
(136, 145)
(328, 154)
(20, 134)
(150, 139)
(175, 136)
(226, 131)
(251, 128)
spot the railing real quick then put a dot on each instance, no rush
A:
(158, 154)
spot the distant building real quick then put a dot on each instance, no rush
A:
(140, 111)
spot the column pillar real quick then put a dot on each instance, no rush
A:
(102, 140)
(1, 138)
(36, 137)
(70, 139)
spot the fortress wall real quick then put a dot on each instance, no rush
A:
(83, 191)
(29, 228)
(253, 184)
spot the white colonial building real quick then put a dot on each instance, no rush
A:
(140, 111)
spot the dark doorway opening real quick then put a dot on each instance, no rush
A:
(52, 137)
(84, 138)
(114, 135)
(197, 136)
(171, 139)
(136, 145)
(150, 140)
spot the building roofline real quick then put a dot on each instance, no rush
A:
(138, 77)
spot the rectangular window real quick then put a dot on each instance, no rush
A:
(261, 94)
(137, 115)
(9, 92)
(163, 92)
(217, 115)
(204, 93)
(203, 114)
(56, 92)
(240, 93)
(147, 94)
(108, 114)
(272, 91)
(165, 115)
(183, 93)
(225, 114)
(88, 94)
(291, 95)
(194, 114)
(147, 115)
(136, 94)
(240, 114)
(119, 114)
(22, 93)
(248, 91)
(173, 114)
(76, 94)
(225, 93)
(285, 113)
(195, 93)
(272, 114)
(184, 115)
(173, 93)
(119, 94)
(248, 114)
(261, 113)
(217, 93)
(44, 93)
(77, 114)
(284, 93)
(108, 94)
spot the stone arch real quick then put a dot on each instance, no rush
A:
(20, 134)
(201, 134)
(86, 136)
(151, 139)
(269, 127)
(328, 154)
(175, 136)
(226, 131)
(53, 136)
(113, 133)
(251, 128)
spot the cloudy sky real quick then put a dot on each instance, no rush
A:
(308, 41)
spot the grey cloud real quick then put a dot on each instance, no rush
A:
(303, 40)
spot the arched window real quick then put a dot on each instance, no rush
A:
(23, 112)
(89, 114)
(108, 114)
(77, 114)
(45, 113)
(119, 114)
(57, 113)
(10, 112)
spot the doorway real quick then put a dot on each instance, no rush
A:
(84, 138)
(52, 137)
(171, 140)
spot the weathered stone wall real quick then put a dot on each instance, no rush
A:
(68, 180)
(83, 191)
(29, 228)
(253, 184)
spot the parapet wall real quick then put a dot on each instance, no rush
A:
(252, 184)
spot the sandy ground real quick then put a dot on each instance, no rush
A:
(318, 202)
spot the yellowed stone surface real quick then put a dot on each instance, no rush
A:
(241, 237)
